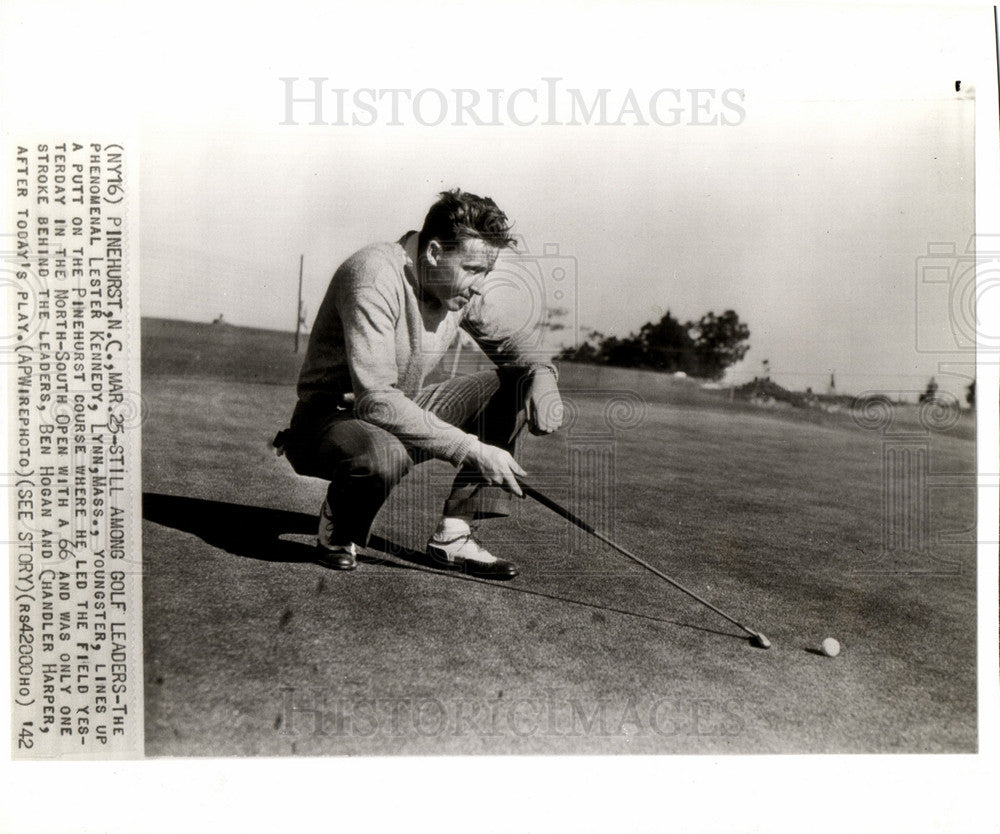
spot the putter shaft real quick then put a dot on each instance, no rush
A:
(583, 525)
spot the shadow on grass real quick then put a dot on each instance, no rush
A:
(253, 532)
(417, 558)
(257, 533)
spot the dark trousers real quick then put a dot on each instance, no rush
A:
(364, 462)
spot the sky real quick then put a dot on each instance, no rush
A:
(806, 214)
(852, 155)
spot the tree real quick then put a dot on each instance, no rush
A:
(704, 349)
(590, 350)
(931, 393)
(667, 345)
(719, 342)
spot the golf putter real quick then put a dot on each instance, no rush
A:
(756, 638)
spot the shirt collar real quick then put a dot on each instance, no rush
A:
(409, 242)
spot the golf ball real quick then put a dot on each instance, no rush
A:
(830, 647)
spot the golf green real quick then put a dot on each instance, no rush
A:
(779, 518)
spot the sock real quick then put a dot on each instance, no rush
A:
(450, 536)
(452, 527)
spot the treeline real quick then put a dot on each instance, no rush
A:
(701, 349)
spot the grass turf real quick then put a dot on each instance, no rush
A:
(251, 649)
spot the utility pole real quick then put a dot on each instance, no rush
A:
(298, 307)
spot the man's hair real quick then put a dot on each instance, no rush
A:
(459, 214)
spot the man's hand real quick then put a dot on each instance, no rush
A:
(497, 467)
(543, 404)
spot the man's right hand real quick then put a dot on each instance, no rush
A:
(497, 467)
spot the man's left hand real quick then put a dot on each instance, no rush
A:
(543, 404)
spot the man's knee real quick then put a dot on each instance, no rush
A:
(503, 409)
(385, 462)
(348, 449)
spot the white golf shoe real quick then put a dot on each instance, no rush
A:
(466, 554)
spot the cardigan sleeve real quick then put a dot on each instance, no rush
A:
(369, 311)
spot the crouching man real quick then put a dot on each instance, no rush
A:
(364, 416)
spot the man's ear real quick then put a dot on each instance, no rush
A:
(432, 253)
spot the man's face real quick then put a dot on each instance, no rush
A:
(454, 276)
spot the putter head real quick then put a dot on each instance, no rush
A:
(759, 641)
